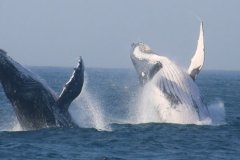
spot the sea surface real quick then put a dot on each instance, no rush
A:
(108, 128)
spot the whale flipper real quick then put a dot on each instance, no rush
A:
(198, 58)
(71, 90)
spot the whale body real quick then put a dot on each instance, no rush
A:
(35, 104)
(173, 82)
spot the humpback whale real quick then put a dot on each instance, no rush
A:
(174, 83)
(35, 104)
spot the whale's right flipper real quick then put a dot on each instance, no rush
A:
(71, 90)
(198, 59)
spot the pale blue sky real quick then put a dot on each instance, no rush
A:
(56, 32)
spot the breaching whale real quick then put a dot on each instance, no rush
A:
(36, 105)
(174, 83)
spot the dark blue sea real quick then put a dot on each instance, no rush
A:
(106, 131)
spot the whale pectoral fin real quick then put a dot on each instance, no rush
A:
(72, 88)
(198, 58)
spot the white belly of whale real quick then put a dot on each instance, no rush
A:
(172, 97)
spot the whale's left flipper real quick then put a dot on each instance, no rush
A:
(198, 59)
(71, 90)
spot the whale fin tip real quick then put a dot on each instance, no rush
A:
(198, 58)
(72, 88)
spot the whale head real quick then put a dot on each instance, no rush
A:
(141, 47)
(146, 63)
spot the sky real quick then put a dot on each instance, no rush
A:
(57, 32)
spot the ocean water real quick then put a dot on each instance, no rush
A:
(109, 125)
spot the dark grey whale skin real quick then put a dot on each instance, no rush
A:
(36, 105)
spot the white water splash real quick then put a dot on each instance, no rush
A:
(16, 127)
(87, 112)
(153, 107)
(217, 112)
(12, 126)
